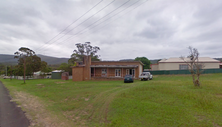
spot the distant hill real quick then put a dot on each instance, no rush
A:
(155, 61)
(220, 59)
(53, 60)
(127, 60)
(9, 59)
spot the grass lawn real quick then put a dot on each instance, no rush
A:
(167, 100)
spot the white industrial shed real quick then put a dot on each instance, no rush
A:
(179, 64)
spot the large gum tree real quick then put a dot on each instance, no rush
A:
(23, 53)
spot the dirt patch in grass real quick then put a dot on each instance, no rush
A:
(75, 116)
(60, 82)
(40, 85)
(36, 111)
(219, 95)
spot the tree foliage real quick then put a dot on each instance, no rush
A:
(33, 64)
(22, 55)
(84, 50)
(28, 63)
(195, 67)
(2, 68)
(145, 61)
(45, 67)
(66, 67)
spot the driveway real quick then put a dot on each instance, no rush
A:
(10, 114)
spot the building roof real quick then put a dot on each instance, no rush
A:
(58, 71)
(115, 66)
(179, 60)
(119, 62)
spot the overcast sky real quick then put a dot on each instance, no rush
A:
(123, 29)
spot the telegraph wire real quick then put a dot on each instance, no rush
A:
(98, 20)
(119, 16)
(71, 23)
(110, 18)
(84, 21)
(115, 15)
(95, 21)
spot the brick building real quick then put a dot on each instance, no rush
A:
(105, 69)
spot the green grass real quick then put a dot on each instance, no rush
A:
(168, 100)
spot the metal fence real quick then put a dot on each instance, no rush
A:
(170, 72)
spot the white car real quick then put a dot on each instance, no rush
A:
(146, 76)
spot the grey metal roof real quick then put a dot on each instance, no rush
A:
(58, 71)
(114, 66)
(201, 59)
(119, 62)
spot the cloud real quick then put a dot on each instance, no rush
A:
(155, 29)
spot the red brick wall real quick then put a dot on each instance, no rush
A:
(111, 72)
(77, 74)
(80, 73)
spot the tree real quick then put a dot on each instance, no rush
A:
(33, 64)
(84, 50)
(195, 67)
(22, 54)
(44, 68)
(145, 61)
(2, 69)
(65, 67)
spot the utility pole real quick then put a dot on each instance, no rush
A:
(24, 67)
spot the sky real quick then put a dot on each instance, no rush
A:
(123, 29)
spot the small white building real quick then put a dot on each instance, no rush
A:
(179, 64)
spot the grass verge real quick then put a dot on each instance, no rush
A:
(168, 100)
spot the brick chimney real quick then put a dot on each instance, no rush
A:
(87, 70)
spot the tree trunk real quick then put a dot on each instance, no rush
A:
(24, 69)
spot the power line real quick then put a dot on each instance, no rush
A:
(96, 20)
(73, 22)
(86, 20)
(115, 15)
(99, 19)
(119, 16)
(110, 17)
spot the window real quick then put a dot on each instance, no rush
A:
(133, 72)
(117, 72)
(127, 71)
(183, 67)
(104, 73)
(199, 65)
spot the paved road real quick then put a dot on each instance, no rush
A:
(10, 114)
